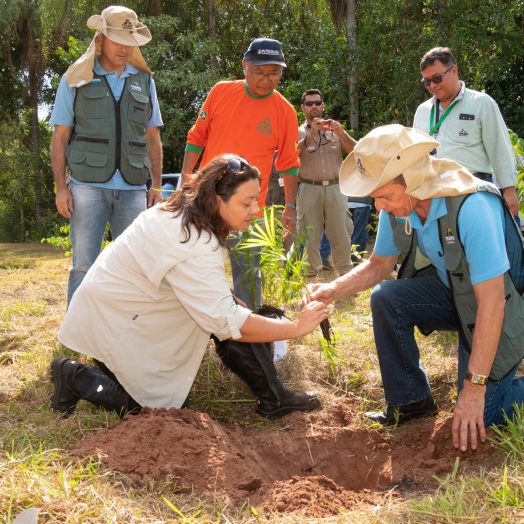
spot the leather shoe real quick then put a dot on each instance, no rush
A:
(326, 266)
(64, 398)
(290, 401)
(396, 415)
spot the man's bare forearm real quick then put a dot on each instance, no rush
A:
(59, 143)
(367, 274)
(190, 160)
(154, 150)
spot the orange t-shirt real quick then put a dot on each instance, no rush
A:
(233, 121)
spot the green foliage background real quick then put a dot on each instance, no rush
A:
(42, 37)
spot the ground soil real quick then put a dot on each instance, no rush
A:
(315, 465)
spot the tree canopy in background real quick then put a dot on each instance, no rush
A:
(198, 42)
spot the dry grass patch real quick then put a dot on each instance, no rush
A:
(35, 469)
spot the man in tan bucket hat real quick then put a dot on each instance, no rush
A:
(106, 135)
(457, 236)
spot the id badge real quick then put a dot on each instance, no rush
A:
(280, 181)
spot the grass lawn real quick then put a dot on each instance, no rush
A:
(35, 469)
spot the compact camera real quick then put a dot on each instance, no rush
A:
(325, 125)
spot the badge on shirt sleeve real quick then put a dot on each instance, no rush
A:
(202, 115)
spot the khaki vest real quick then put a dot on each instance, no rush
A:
(110, 135)
(511, 345)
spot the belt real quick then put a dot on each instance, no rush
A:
(319, 182)
(482, 176)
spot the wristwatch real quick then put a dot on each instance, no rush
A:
(475, 378)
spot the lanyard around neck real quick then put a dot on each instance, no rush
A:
(433, 128)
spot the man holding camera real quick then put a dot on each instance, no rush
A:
(320, 204)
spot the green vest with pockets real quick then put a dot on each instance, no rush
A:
(511, 344)
(110, 135)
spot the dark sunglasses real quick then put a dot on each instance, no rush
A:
(436, 79)
(310, 103)
(236, 164)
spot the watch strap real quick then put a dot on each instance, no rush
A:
(475, 378)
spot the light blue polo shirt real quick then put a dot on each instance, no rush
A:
(63, 114)
(481, 228)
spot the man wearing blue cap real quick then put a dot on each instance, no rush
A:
(249, 118)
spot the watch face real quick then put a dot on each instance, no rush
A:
(474, 378)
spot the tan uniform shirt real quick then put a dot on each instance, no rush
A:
(147, 306)
(323, 156)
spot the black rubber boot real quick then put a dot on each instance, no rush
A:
(74, 381)
(254, 365)
(396, 415)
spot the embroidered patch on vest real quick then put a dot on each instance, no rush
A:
(450, 239)
(95, 81)
(360, 167)
(202, 115)
(264, 127)
(135, 86)
(463, 132)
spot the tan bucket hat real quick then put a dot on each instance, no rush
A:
(120, 25)
(393, 150)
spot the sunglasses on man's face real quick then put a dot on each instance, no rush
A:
(436, 79)
(310, 103)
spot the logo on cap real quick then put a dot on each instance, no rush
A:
(127, 24)
(360, 167)
(268, 52)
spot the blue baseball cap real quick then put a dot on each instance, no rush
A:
(264, 51)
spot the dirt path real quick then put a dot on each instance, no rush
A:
(316, 464)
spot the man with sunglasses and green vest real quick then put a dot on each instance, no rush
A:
(467, 123)
(462, 271)
(320, 204)
(106, 133)
(250, 118)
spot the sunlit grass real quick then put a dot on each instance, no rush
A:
(35, 468)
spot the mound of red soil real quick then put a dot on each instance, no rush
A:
(315, 465)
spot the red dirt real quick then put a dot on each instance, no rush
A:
(315, 465)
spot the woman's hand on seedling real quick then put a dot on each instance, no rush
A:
(311, 316)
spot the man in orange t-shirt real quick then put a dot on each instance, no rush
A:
(249, 118)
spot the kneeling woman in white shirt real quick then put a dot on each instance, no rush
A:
(147, 307)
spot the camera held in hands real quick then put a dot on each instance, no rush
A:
(326, 124)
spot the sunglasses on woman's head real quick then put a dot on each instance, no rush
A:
(236, 164)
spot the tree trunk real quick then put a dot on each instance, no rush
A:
(35, 70)
(351, 35)
(212, 31)
(22, 218)
(35, 139)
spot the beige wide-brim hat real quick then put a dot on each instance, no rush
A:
(393, 150)
(120, 25)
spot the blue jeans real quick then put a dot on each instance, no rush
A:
(325, 248)
(397, 307)
(93, 208)
(360, 233)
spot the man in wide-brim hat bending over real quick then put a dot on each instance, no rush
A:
(462, 271)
